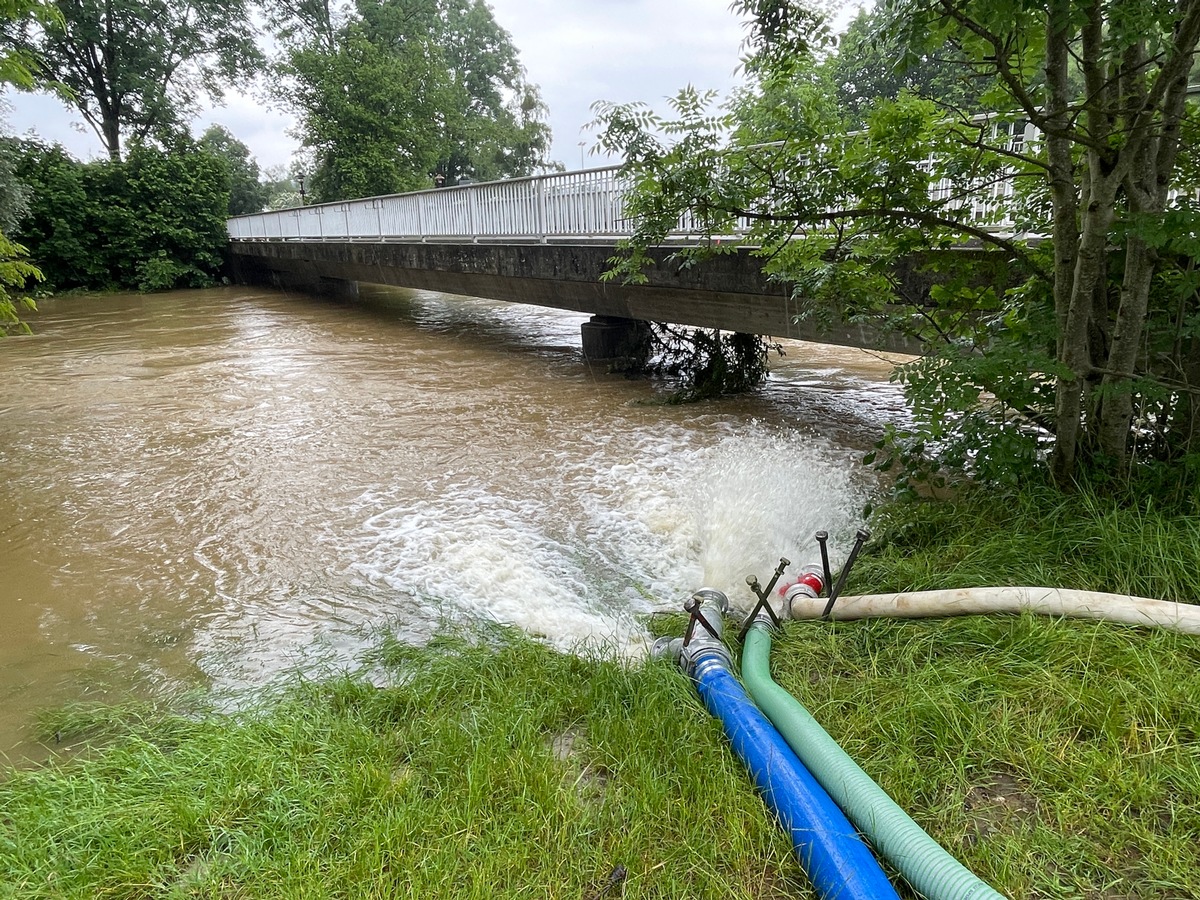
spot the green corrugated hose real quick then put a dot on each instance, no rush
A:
(919, 858)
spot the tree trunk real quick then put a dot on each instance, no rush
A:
(1065, 230)
(107, 92)
(1078, 296)
(112, 137)
(1115, 415)
(1185, 417)
(1148, 160)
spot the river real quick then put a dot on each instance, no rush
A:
(211, 488)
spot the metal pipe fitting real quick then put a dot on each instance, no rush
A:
(707, 607)
(808, 587)
(667, 648)
(861, 538)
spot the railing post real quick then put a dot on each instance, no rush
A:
(471, 214)
(421, 215)
(541, 210)
(378, 204)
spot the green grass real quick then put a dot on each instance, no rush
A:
(1033, 537)
(501, 768)
(498, 769)
(1057, 759)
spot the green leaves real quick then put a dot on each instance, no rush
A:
(784, 35)
(136, 69)
(892, 50)
(390, 93)
(15, 272)
(153, 222)
(247, 194)
(18, 64)
(873, 181)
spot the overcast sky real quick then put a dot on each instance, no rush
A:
(577, 51)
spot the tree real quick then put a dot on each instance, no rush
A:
(369, 113)
(135, 69)
(496, 120)
(16, 68)
(175, 203)
(282, 186)
(876, 62)
(16, 272)
(1089, 340)
(389, 92)
(14, 193)
(247, 193)
(17, 64)
(153, 221)
(62, 215)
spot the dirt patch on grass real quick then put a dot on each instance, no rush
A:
(588, 780)
(999, 803)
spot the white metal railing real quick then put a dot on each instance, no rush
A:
(588, 204)
(585, 204)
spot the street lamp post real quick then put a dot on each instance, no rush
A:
(300, 181)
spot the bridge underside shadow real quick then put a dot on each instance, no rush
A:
(729, 292)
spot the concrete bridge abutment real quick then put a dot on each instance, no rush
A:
(243, 269)
(338, 288)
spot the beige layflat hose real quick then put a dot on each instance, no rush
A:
(1180, 617)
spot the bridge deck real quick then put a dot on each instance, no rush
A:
(728, 292)
(544, 240)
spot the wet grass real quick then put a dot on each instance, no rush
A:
(1057, 759)
(499, 768)
(1037, 536)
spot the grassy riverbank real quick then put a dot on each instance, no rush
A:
(1037, 536)
(1057, 759)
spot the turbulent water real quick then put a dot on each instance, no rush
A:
(210, 488)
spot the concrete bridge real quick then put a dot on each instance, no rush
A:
(544, 240)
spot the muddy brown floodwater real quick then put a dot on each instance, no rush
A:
(210, 488)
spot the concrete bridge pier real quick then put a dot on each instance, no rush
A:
(622, 343)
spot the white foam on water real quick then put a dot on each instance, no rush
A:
(577, 553)
(635, 517)
(710, 515)
(478, 554)
(622, 537)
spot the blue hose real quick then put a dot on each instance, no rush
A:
(837, 861)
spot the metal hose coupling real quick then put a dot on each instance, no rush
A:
(809, 585)
(667, 648)
(707, 608)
